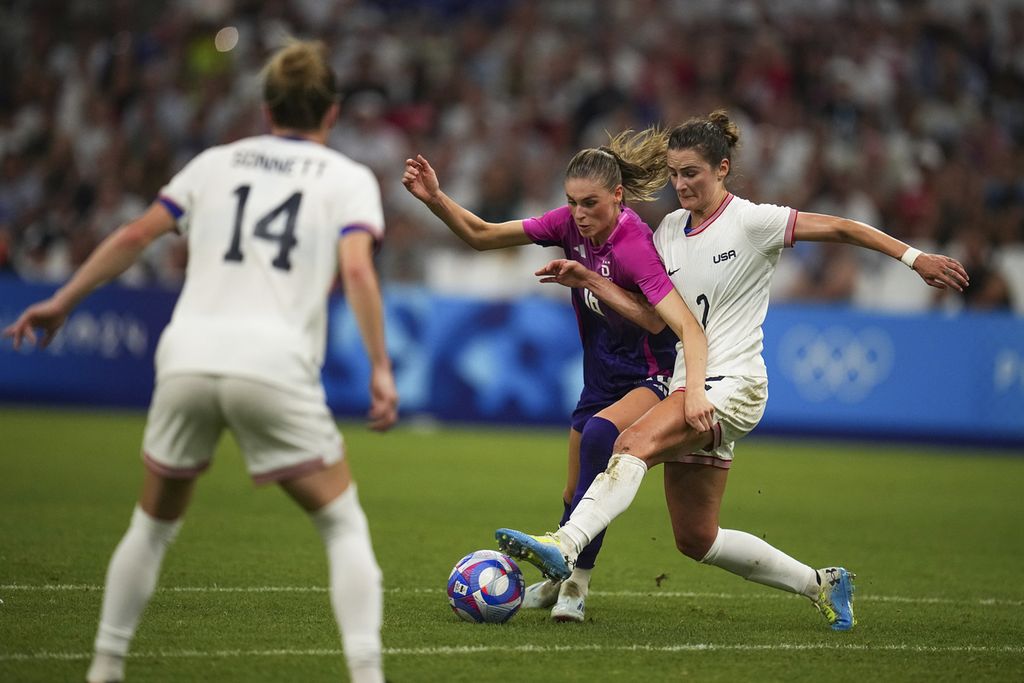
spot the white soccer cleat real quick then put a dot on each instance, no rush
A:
(105, 669)
(541, 595)
(571, 603)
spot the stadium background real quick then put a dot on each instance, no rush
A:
(906, 115)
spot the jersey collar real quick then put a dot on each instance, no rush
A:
(293, 138)
(691, 231)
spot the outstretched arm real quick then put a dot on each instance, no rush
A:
(935, 269)
(362, 293)
(632, 306)
(113, 256)
(421, 181)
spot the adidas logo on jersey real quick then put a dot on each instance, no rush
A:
(724, 256)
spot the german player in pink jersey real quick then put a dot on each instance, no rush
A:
(722, 251)
(626, 358)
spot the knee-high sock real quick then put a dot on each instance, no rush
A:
(608, 497)
(596, 445)
(355, 578)
(131, 579)
(753, 559)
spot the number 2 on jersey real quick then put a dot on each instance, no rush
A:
(702, 300)
(285, 239)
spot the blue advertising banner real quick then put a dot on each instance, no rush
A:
(102, 356)
(841, 371)
(832, 371)
(463, 359)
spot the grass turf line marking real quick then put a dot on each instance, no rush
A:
(73, 587)
(487, 649)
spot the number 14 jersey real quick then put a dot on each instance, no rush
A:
(263, 217)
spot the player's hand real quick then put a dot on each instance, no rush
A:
(383, 401)
(565, 272)
(698, 410)
(46, 315)
(941, 271)
(419, 178)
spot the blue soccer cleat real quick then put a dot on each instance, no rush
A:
(835, 599)
(543, 552)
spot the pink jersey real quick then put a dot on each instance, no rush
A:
(616, 353)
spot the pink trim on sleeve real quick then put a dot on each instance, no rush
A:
(791, 228)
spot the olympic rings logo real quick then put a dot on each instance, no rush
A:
(1008, 371)
(836, 362)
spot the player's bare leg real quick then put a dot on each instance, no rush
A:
(597, 446)
(694, 493)
(652, 439)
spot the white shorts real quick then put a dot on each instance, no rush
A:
(282, 433)
(739, 404)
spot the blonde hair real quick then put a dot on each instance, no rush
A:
(634, 160)
(299, 85)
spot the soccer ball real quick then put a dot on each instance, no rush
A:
(486, 587)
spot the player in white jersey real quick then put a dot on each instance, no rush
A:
(269, 220)
(720, 251)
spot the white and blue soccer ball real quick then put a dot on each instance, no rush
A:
(486, 587)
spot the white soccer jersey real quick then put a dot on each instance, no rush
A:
(263, 218)
(722, 269)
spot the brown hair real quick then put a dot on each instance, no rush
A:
(714, 136)
(634, 160)
(299, 85)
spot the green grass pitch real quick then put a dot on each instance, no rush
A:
(935, 536)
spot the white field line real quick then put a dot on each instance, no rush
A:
(766, 595)
(487, 649)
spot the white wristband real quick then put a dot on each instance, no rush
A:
(909, 256)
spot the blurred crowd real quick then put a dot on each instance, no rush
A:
(907, 115)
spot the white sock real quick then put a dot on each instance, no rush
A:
(608, 497)
(131, 579)
(355, 578)
(753, 559)
(581, 577)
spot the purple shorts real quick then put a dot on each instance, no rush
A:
(590, 404)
